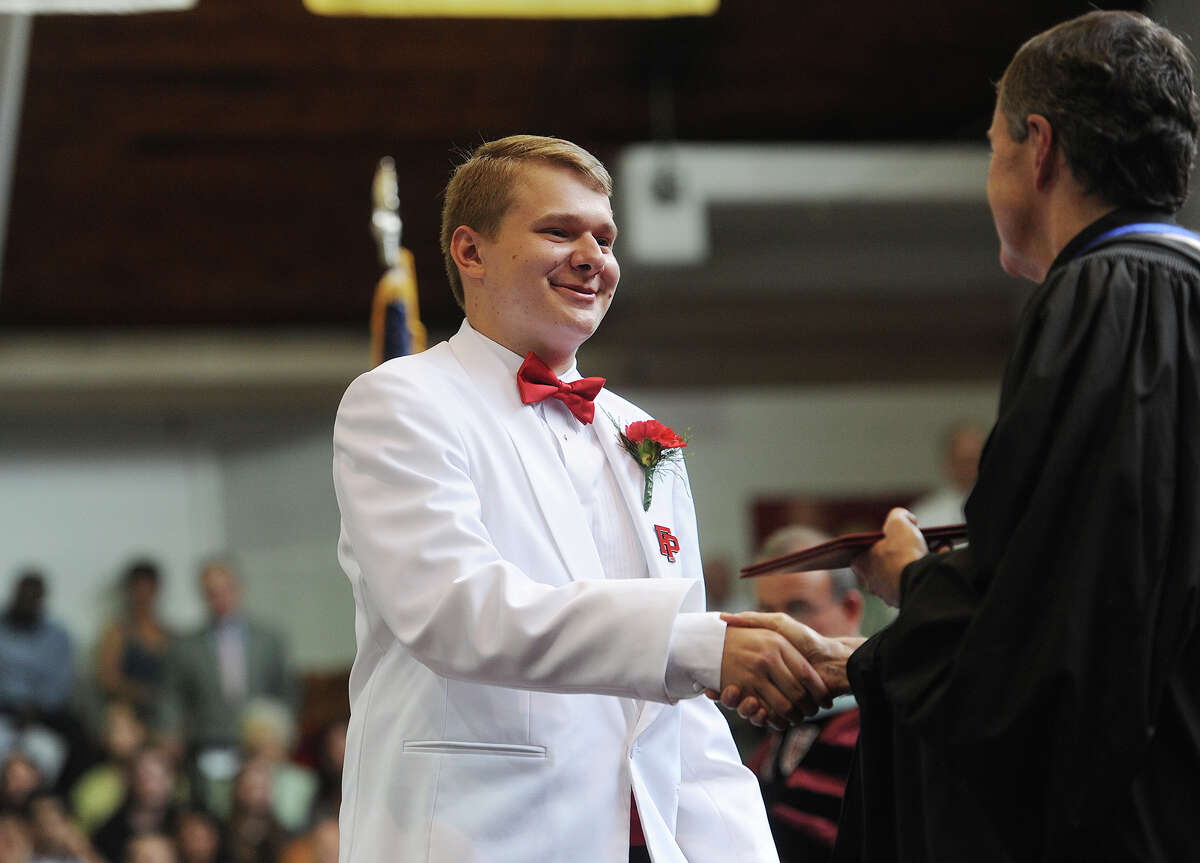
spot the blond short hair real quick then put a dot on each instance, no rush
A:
(480, 190)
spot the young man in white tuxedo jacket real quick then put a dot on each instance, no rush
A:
(531, 640)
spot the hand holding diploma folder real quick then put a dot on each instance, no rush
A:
(840, 551)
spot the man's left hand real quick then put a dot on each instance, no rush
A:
(879, 568)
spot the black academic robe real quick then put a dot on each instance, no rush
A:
(1038, 696)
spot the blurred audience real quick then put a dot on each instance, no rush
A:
(149, 805)
(255, 834)
(720, 583)
(37, 676)
(331, 756)
(56, 838)
(961, 446)
(199, 837)
(20, 779)
(318, 845)
(116, 793)
(102, 787)
(16, 843)
(133, 647)
(268, 733)
(37, 663)
(803, 770)
(212, 674)
(150, 848)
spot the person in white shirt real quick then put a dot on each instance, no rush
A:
(961, 445)
(531, 626)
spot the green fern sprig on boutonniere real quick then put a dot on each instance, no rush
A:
(653, 446)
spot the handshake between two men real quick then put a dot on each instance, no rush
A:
(775, 669)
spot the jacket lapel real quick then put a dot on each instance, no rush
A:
(633, 485)
(548, 478)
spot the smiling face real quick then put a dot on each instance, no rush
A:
(545, 280)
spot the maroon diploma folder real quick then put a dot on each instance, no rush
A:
(840, 551)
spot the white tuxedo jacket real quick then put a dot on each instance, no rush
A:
(490, 718)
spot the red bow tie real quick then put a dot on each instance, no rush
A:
(536, 382)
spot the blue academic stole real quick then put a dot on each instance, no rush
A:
(1161, 228)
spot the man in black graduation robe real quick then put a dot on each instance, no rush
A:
(1038, 696)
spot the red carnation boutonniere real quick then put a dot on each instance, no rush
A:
(652, 446)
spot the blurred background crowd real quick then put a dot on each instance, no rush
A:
(167, 747)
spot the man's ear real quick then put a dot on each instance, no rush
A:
(1045, 149)
(464, 250)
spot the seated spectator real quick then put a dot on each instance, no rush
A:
(803, 770)
(133, 647)
(149, 805)
(36, 655)
(56, 838)
(16, 845)
(318, 845)
(20, 779)
(331, 756)
(36, 680)
(212, 674)
(150, 848)
(101, 789)
(268, 731)
(199, 837)
(255, 835)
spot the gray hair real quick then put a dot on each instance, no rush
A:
(795, 537)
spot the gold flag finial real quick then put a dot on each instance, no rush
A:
(396, 327)
(386, 224)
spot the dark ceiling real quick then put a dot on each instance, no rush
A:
(212, 168)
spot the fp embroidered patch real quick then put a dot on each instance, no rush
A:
(668, 545)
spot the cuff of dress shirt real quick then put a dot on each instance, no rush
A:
(694, 655)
